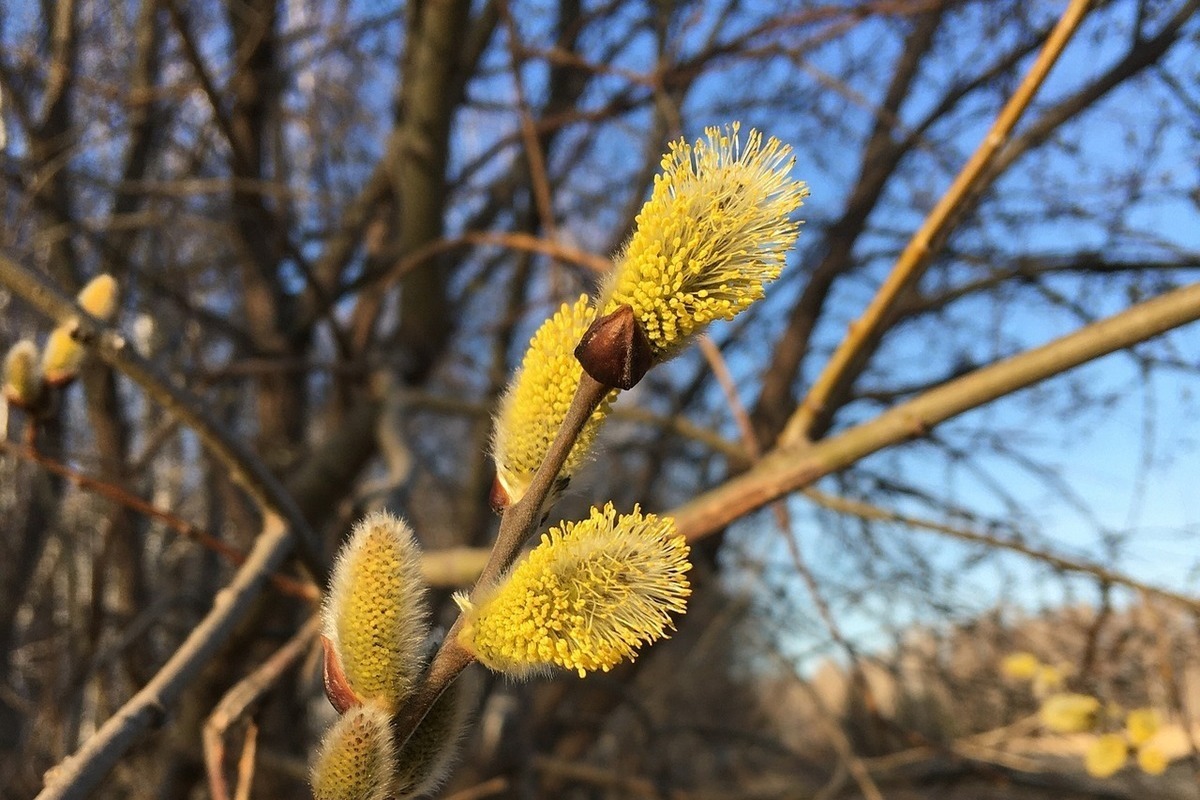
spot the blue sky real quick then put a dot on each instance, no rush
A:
(1100, 452)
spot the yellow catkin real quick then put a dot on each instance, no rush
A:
(62, 357)
(1047, 679)
(375, 614)
(100, 297)
(1141, 724)
(1106, 756)
(357, 758)
(585, 598)
(536, 402)
(716, 228)
(425, 759)
(1069, 713)
(22, 374)
(1020, 666)
(1152, 760)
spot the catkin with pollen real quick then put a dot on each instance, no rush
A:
(537, 399)
(716, 228)
(375, 613)
(585, 598)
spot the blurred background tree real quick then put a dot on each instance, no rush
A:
(335, 225)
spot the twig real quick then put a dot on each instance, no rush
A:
(245, 693)
(518, 523)
(76, 776)
(864, 510)
(522, 517)
(850, 760)
(246, 762)
(790, 468)
(488, 788)
(625, 785)
(525, 242)
(841, 743)
(117, 494)
(913, 259)
(720, 370)
(244, 467)
(538, 179)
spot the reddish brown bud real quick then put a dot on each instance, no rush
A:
(337, 688)
(615, 350)
(498, 498)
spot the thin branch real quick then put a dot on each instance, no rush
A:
(858, 508)
(787, 469)
(76, 776)
(852, 762)
(924, 242)
(880, 158)
(117, 494)
(841, 742)
(232, 707)
(623, 784)
(489, 788)
(538, 178)
(246, 763)
(520, 520)
(522, 242)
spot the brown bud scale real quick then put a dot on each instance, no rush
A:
(337, 688)
(498, 498)
(615, 350)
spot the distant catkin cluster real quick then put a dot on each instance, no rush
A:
(31, 375)
(1117, 733)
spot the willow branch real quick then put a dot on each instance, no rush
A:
(915, 257)
(792, 467)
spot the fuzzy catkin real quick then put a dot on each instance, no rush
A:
(585, 598)
(375, 613)
(22, 374)
(100, 297)
(357, 759)
(716, 228)
(536, 402)
(62, 356)
(1106, 756)
(426, 758)
(1069, 713)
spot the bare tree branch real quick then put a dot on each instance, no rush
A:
(787, 469)
(74, 778)
(927, 239)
